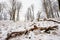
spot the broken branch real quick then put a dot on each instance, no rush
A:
(15, 34)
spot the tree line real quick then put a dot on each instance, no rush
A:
(16, 7)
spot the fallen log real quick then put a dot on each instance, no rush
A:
(15, 34)
(51, 20)
(54, 21)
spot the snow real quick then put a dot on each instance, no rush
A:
(10, 26)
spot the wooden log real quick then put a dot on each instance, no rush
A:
(15, 34)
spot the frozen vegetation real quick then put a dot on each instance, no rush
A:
(7, 27)
(29, 20)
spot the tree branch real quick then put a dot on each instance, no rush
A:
(15, 34)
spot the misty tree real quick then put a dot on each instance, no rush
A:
(0, 7)
(15, 6)
(48, 8)
(59, 4)
(30, 13)
(0, 12)
(3, 15)
(38, 16)
(12, 10)
(19, 4)
(55, 8)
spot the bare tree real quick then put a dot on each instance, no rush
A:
(59, 3)
(15, 6)
(38, 16)
(56, 8)
(45, 7)
(2, 13)
(13, 10)
(48, 8)
(0, 7)
(18, 9)
(30, 13)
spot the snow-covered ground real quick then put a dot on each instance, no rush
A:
(10, 26)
